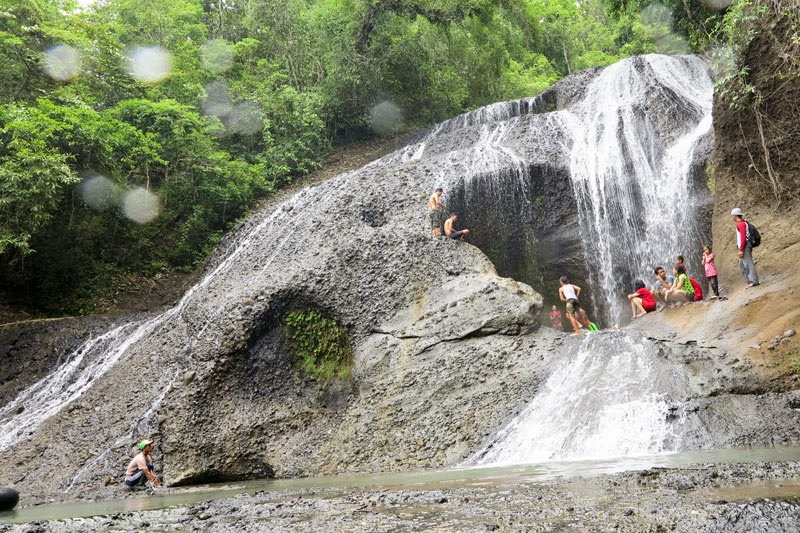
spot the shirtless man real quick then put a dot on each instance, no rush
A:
(436, 210)
(140, 468)
(451, 232)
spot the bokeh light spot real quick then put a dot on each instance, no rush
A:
(62, 62)
(99, 192)
(141, 206)
(385, 117)
(723, 61)
(217, 55)
(149, 64)
(245, 118)
(218, 101)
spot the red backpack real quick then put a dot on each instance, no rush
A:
(698, 292)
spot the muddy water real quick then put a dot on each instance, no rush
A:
(500, 478)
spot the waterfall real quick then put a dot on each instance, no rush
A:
(613, 397)
(633, 180)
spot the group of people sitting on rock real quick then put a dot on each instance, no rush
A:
(441, 223)
(680, 288)
(674, 291)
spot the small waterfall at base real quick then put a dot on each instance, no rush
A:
(613, 397)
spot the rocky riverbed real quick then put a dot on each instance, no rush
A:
(757, 496)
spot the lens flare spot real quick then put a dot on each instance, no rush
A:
(99, 192)
(385, 117)
(141, 206)
(217, 55)
(245, 118)
(723, 61)
(62, 62)
(218, 101)
(150, 64)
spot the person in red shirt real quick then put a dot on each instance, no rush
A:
(642, 301)
(555, 319)
(746, 264)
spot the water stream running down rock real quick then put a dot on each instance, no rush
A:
(613, 396)
(639, 201)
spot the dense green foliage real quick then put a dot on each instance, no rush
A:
(242, 98)
(319, 343)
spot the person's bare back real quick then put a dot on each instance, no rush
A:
(450, 231)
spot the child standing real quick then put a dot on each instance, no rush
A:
(555, 319)
(711, 269)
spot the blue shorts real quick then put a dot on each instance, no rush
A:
(138, 477)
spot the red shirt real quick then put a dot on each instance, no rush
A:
(741, 234)
(648, 302)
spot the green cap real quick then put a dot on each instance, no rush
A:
(144, 443)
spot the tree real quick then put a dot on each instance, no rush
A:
(33, 176)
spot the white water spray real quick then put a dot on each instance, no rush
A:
(632, 178)
(612, 398)
(22, 417)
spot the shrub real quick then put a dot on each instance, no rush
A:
(320, 344)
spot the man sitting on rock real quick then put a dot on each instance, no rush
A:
(450, 230)
(140, 468)
(663, 284)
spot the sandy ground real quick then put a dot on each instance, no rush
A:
(746, 321)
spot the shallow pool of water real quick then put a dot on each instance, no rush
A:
(422, 480)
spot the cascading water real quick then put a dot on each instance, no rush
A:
(633, 178)
(612, 397)
(20, 418)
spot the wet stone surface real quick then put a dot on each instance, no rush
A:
(682, 499)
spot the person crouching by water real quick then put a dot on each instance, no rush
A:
(450, 230)
(140, 469)
(642, 301)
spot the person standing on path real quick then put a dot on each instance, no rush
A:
(436, 211)
(711, 269)
(140, 469)
(745, 248)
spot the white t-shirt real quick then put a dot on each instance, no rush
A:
(569, 292)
